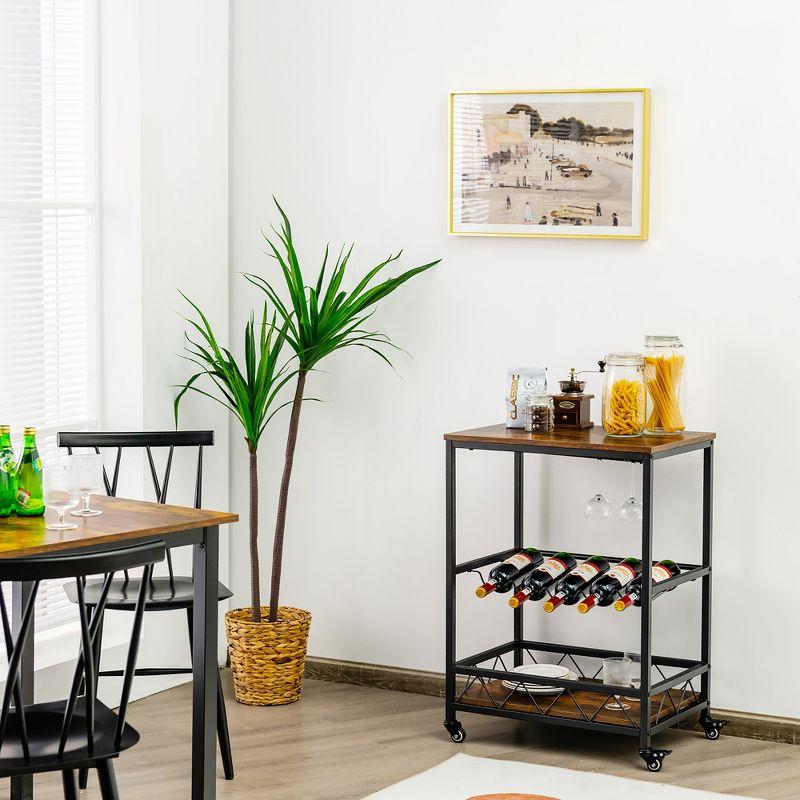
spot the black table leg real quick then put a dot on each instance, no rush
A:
(204, 666)
(22, 786)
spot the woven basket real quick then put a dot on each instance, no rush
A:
(267, 658)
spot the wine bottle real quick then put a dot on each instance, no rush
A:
(8, 473)
(573, 587)
(662, 571)
(30, 494)
(503, 576)
(611, 584)
(536, 584)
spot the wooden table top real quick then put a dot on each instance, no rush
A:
(121, 520)
(579, 439)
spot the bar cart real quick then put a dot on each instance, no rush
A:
(667, 694)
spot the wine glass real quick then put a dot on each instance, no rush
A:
(631, 509)
(636, 674)
(617, 672)
(60, 494)
(88, 469)
(598, 505)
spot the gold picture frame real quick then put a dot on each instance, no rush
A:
(477, 177)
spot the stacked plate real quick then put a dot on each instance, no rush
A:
(541, 671)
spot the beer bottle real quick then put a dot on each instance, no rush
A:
(8, 473)
(30, 494)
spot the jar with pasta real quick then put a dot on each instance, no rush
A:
(624, 395)
(664, 366)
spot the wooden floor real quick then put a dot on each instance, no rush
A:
(341, 742)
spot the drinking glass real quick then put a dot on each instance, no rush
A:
(60, 494)
(636, 674)
(631, 509)
(617, 672)
(88, 469)
(598, 505)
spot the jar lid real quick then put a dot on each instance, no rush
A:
(624, 359)
(651, 340)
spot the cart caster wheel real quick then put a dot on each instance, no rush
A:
(713, 727)
(456, 731)
(654, 759)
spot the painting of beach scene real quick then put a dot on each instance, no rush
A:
(550, 163)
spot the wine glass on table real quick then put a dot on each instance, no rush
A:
(598, 504)
(60, 494)
(617, 672)
(88, 469)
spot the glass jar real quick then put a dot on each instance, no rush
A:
(624, 395)
(539, 413)
(664, 362)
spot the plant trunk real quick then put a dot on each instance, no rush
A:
(283, 496)
(255, 581)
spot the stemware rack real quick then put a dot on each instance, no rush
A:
(671, 689)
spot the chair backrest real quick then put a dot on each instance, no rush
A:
(39, 568)
(147, 440)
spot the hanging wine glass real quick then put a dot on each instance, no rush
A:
(631, 509)
(598, 504)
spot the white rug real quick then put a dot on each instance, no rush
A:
(468, 778)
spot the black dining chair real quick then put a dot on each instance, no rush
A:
(79, 733)
(168, 592)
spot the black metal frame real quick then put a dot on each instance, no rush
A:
(644, 728)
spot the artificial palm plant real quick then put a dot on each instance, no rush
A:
(318, 320)
(249, 393)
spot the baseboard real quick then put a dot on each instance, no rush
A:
(398, 679)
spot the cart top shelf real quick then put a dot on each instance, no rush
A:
(586, 440)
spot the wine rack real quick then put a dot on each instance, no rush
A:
(671, 690)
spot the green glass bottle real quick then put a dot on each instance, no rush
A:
(30, 494)
(8, 473)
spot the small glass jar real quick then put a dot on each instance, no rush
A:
(539, 413)
(664, 364)
(624, 395)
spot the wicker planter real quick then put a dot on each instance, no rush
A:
(267, 658)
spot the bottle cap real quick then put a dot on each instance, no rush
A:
(587, 604)
(552, 604)
(482, 591)
(514, 602)
(29, 431)
(623, 603)
(5, 429)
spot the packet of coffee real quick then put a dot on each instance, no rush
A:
(520, 382)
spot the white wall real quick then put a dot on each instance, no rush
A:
(341, 111)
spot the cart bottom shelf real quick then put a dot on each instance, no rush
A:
(586, 706)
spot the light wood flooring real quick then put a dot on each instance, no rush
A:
(341, 742)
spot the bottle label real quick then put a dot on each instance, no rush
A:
(660, 574)
(519, 560)
(587, 570)
(37, 465)
(23, 496)
(623, 573)
(553, 567)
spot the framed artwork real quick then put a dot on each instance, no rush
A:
(550, 163)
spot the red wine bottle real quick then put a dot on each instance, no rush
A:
(662, 571)
(503, 576)
(577, 583)
(536, 584)
(611, 584)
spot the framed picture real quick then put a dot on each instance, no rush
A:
(550, 163)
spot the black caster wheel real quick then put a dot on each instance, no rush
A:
(653, 759)
(713, 727)
(456, 731)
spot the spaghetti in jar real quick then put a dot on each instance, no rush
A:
(664, 364)
(624, 395)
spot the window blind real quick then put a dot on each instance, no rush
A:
(47, 229)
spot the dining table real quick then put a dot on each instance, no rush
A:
(126, 521)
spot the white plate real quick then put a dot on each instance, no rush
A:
(541, 671)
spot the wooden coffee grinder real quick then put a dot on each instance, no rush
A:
(572, 406)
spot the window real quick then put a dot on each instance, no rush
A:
(47, 227)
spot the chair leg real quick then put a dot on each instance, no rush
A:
(108, 781)
(70, 781)
(222, 732)
(222, 715)
(83, 773)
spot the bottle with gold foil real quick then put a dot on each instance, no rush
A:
(8, 473)
(30, 492)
